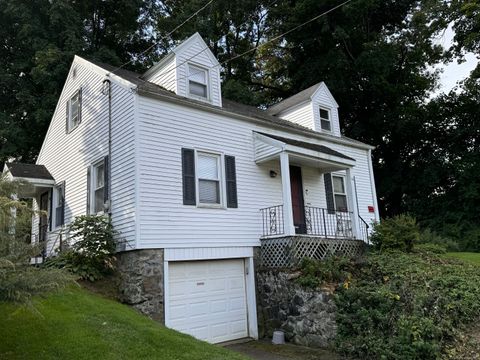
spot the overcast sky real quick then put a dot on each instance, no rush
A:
(454, 72)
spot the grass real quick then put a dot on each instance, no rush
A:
(76, 324)
(466, 256)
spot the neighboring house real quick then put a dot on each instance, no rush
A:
(184, 178)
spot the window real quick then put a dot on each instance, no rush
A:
(98, 187)
(74, 111)
(59, 205)
(197, 81)
(325, 120)
(339, 193)
(208, 178)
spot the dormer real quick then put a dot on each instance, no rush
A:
(189, 70)
(314, 108)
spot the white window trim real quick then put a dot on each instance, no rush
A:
(329, 118)
(221, 171)
(55, 203)
(337, 193)
(207, 82)
(70, 128)
(93, 188)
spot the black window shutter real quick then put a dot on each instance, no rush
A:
(62, 219)
(50, 210)
(329, 193)
(67, 116)
(188, 176)
(88, 190)
(106, 179)
(79, 105)
(231, 181)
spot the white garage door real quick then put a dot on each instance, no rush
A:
(207, 299)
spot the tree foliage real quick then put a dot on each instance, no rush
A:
(19, 280)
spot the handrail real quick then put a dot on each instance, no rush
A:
(59, 236)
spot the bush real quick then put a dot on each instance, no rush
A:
(406, 306)
(430, 237)
(334, 269)
(430, 248)
(397, 233)
(92, 248)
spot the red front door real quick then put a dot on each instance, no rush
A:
(297, 199)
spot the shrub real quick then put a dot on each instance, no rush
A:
(428, 236)
(397, 233)
(430, 248)
(19, 280)
(334, 269)
(92, 248)
(405, 306)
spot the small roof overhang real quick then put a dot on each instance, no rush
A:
(268, 147)
(35, 175)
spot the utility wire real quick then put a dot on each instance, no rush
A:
(165, 37)
(256, 47)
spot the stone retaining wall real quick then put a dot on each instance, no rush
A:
(307, 316)
(141, 281)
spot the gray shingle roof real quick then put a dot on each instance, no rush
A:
(30, 171)
(315, 147)
(293, 100)
(227, 105)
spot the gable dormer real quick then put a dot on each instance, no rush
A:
(190, 70)
(314, 108)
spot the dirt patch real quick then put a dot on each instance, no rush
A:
(265, 350)
(106, 287)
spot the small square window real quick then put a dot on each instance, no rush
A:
(197, 81)
(208, 169)
(325, 122)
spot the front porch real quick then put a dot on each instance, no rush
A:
(295, 228)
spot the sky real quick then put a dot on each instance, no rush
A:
(454, 72)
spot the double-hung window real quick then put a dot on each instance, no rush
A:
(209, 178)
(197, 81)
(339, 193)
(325, 121)
(98, 187)
(74, 111)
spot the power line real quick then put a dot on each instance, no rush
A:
(259, 46)
(165, 37)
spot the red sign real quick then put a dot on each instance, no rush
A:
(371, 209)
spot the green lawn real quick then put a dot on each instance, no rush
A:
(76, 324)
(466, 256)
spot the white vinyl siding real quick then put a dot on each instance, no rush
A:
(323, 99)
(301, 114)
(165, 222)
(67, 156)
(166, 76)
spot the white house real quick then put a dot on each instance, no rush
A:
(195, 183)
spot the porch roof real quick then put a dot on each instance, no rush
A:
(268, 146)
(37, 176)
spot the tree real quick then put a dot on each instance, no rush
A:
(39, 40)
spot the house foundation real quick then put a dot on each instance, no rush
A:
(141, 282)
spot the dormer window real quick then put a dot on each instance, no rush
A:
(197, 82)
(325, 121)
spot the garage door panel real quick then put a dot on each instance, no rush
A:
(207, 299)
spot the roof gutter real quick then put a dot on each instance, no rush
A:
(221, 111)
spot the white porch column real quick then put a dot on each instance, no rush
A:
(287, 194)
(352, 203)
